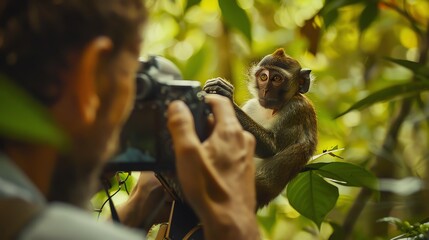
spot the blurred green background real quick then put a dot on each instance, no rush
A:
(349, 45)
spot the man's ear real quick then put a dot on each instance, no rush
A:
(87, 68)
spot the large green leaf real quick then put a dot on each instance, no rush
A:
(368, 15)
(413, 66)
(421, 70)
(346, 174)
(236, 17)
(312, 196)
(24, 119)
(400, 90)
(314, 166)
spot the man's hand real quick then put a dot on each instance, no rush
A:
(217, 175)
(141, 206)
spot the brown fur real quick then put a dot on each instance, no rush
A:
(285, 131)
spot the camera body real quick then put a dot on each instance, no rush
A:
(145, 142)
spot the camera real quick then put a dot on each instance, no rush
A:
(145, 142)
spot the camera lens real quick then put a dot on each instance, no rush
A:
(144, 86)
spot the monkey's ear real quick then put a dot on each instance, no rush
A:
(305, 79)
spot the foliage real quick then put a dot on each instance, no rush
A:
(312, 193)
(236, 17)
(19, 107)
(410, 231)
(346, 43)
(312, 196)
(421, 72)
(370, 62)
(411, 89)
(393, 92)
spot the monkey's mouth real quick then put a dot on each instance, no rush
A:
(270, 103)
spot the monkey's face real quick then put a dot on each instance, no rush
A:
(274, 87)
(277, 78)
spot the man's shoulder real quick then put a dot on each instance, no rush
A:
(62, 221)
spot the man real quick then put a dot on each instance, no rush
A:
(78, 59)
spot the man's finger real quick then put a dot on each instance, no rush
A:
(187, 148)
(181, 123)
(222, 109)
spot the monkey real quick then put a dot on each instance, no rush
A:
(282, 120)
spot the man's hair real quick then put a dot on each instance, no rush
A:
(37, 36)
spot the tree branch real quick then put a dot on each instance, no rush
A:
(405, 14)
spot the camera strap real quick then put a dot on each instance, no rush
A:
(15, 215)
(113, 212)
(183, 224)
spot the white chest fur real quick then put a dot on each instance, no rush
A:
(259, 114)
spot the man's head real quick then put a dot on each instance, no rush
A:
(78, 58)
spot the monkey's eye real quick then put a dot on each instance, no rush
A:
(277, 79)
(263, 77)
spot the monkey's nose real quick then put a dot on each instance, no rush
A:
(265, 91)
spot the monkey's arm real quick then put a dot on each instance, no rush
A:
(300, 142)
(274, 173)
(265, 139)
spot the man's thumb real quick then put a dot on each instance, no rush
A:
(181, 124)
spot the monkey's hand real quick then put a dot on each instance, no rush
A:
(219, 86)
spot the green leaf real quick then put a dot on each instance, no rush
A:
(312, 196)
(268, 221)
(348, 174)
(194, 64)
(24, 119)
(411, 230)
(314, 166)
(338, 233)
(421, 70)
(191, 3)
(331, 5)
(413, 66)
(329, 12)
(330, 17)
(368, 15)
(400, 90)
(236, 17)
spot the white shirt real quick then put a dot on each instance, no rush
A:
(57, 220)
